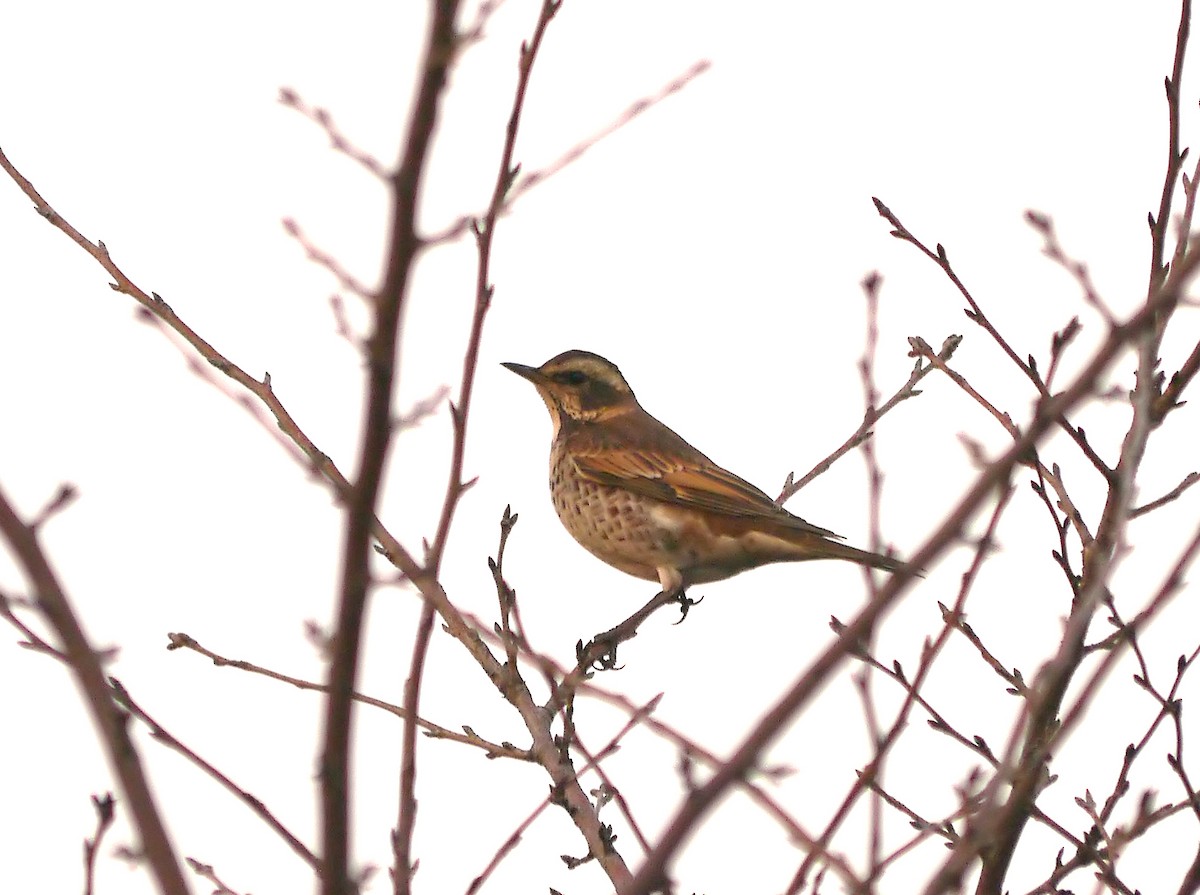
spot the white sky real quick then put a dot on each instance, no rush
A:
(713, 249)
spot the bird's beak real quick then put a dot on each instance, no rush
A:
(543, 384)
(533, 374)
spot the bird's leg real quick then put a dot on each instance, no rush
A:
(600, 652)
(672, 582)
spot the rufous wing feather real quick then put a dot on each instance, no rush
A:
(700, 486)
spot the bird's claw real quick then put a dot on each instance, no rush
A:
(598, 654)
(685, 603)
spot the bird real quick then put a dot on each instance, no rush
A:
(641, 499)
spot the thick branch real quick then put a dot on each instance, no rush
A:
(84, 662)
(484, 234)
(382, 360)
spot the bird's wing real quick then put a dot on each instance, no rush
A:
(693, 482)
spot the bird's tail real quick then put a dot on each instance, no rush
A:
(874, 560)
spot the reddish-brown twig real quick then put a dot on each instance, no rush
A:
(529, 181)
(158, 732)
(206, 871)
(382, 361)
(324, 120)
(85, 663)
(913, 696)
(434, 731)
(976, 314)
(866, 428)
(105, 813)
(592, 763)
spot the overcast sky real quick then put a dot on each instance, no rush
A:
(713, 248)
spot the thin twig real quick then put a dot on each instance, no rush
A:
(339, 141)
(1053, 475)
(866, 370)
(206, 871)
(323, 259)
(435, 731)
(1174, 494)
(59, 502)
(1180, 380)
(676, 84)
(105, 812)
(1170, 398)
(33, 641)
(921, 348)
(506, 596)
(528, 182)
(1159, 225)
(1052, 249)
(284, 428)
(866, 428)
(158, 732)
(975, 313)
(473, 33)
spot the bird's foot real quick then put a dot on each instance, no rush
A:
(599, 653)
(685, 603)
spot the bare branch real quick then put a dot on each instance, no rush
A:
(206, 871)
(1052, 249)
(382, 350)
(105, 812)
(975, 312)
(533, 178)
(1158, 226)
(122, 697)
(323, 259)
(1047, 414)
(1174, 494)
(866, 428)
(85, 664)
(468, 737)
(593, 763)
(459, 411)
(528, 182)
(324, 120)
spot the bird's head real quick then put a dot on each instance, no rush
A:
(579, 385)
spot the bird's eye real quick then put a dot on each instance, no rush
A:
(573, 377)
